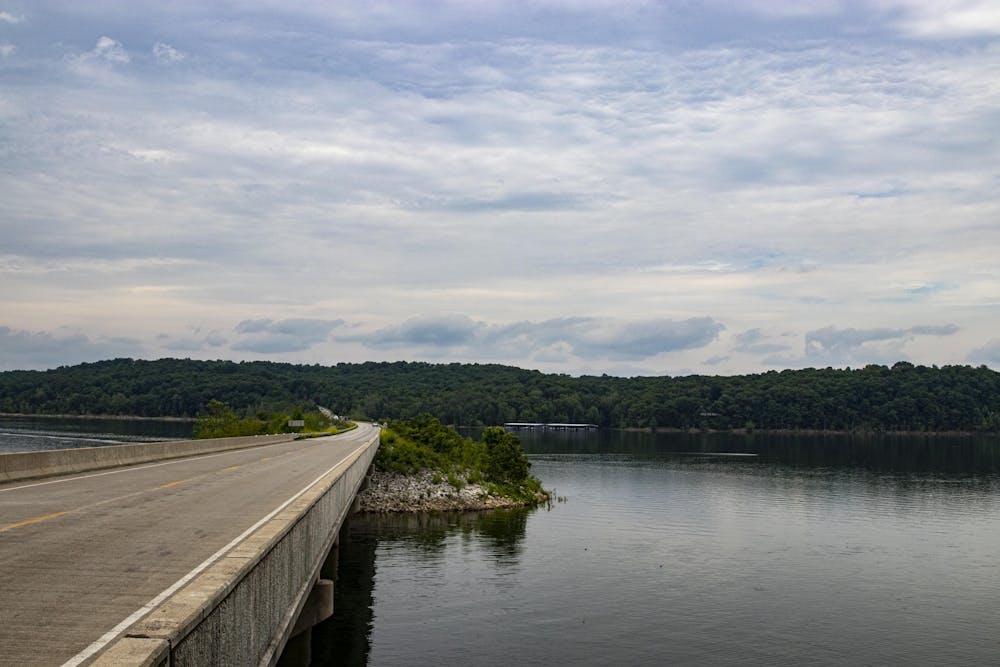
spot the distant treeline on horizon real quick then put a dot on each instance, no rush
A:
(903, 397)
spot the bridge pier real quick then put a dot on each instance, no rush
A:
(319, 606)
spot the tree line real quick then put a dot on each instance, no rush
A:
(903, 397)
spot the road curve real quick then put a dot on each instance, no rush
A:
(80, 553)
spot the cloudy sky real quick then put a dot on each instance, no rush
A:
(578, 186)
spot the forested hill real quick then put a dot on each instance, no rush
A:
(901, 398)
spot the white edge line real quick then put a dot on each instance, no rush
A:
(113, 633)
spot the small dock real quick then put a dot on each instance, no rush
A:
(538, 426)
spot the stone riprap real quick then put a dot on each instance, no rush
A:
(426, 492)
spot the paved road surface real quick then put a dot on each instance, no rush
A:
(78, 554)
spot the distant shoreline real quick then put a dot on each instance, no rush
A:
(630, 429)
(802, 431)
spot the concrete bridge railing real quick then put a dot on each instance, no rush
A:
(242, 609)
(19, 466)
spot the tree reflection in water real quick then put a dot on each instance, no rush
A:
(345, 638)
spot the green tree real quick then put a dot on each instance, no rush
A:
(217, 421)
(505, 460)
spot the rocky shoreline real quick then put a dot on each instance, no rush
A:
(427, 492)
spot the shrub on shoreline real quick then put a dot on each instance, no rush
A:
(218, 420)
(497, 460)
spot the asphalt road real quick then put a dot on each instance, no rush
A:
(80, 553)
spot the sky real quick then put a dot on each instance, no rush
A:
(575, 186)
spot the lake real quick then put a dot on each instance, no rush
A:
(672, 549)
(23, 434)
(692, 549)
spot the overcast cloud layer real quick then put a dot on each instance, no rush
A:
(580, 187)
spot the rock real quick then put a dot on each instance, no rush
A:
(395, 492)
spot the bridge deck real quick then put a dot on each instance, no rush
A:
(79, 554)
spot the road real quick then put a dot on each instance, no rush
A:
(79, 554)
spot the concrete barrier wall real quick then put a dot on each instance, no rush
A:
(241, 610)
(32, 465)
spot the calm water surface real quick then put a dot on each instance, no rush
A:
(682, 549)
(692, 550)
(23, 434)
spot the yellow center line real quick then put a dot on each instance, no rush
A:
(55, 515)
(82, 508)
(12, 526)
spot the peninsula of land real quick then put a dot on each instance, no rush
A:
(423, 465)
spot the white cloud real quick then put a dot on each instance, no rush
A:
(833, 346)
(447, 331)
(154, 154)
(265, 336)
(833, 341)
(949, 18)
(194, 340)
(7, 50)
(754, 341)
(379, 163)
(584, 337)
(790, 8)
(109, 50)
(7, 17)
(166, 54)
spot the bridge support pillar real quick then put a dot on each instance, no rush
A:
(318, 607)
(298, 651)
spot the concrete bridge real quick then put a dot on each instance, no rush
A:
(183, 553)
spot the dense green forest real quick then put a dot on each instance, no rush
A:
(903, 397)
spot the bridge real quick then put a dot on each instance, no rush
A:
(181, 553)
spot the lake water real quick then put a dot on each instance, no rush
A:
(680, 549)
(22, 434)
(672, 549)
